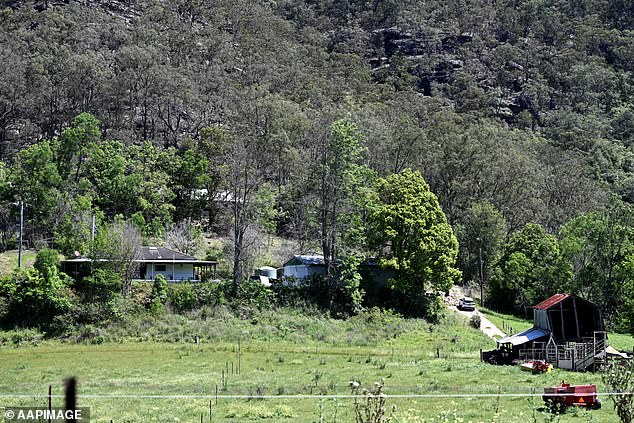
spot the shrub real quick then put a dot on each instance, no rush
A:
(619, 377)
(254, 294)
(181, 297)
(159, 290)
(475, 321)
(35, 299)
(102, 285)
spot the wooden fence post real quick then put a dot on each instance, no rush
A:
(70, 397)
(50, 402)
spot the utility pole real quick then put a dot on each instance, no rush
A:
(481, 273)
(92, 232)
(21, 226)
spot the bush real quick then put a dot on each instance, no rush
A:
(211, 293)
(181, 297)
(254, 294)
(159, 290)
(102, 285)
(475, 321)
(34, 300)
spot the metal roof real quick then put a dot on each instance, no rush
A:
(524, 337)
(162, 253)
(152, 255)
(551, 301)
(306, 260)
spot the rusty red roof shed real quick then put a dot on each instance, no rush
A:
(551, 301)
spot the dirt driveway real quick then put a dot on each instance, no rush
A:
(486, 326)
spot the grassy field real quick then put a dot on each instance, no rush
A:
(9, 260)
(439, 360)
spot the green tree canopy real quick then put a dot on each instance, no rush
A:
(600, 248)
(411, 233)
(530, 269)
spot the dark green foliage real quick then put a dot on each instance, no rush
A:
(181, 297)
(530, 269)
(102, 285)
(221, 114)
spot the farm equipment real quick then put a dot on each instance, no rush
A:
(537, 366)
(568, 395)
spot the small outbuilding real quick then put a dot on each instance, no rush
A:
(304, 266)
(567, 332)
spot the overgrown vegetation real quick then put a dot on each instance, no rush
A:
(619, 377)
(251, 119)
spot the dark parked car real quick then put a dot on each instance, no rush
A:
(466, 304)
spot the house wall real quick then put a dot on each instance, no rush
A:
(302, 271)
(173, 271)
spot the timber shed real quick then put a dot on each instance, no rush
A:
(567, 332)
(567, 317)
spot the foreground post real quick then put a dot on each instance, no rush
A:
(70, 397)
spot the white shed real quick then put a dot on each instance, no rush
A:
(304, 266)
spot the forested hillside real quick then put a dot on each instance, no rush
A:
(277, 117)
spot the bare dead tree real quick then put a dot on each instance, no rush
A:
(184, 237)
(117, 247)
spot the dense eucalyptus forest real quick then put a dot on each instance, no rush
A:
(292, 118)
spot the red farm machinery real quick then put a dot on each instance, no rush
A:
(568, 395)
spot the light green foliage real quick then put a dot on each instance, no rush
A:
(410, 231)
(599, 246)
(75, 144)
(181, 297)
(619, 377)
(35, 179)
(37, 296)
(47, 263)
(530, 269)
(481, 236)
(348, 292)
(189, 174)
(150, 169)
(340, 177)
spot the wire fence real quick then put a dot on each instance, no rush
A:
(302, 396)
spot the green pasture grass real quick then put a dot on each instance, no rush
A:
(9, 260)
(424, 359)
(621, 341)
(506, 321)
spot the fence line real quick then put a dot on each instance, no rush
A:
(325, 396)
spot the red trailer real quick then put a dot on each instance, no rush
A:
(567, 395)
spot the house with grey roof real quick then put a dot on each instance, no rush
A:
(151, 262)
(172, 265)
